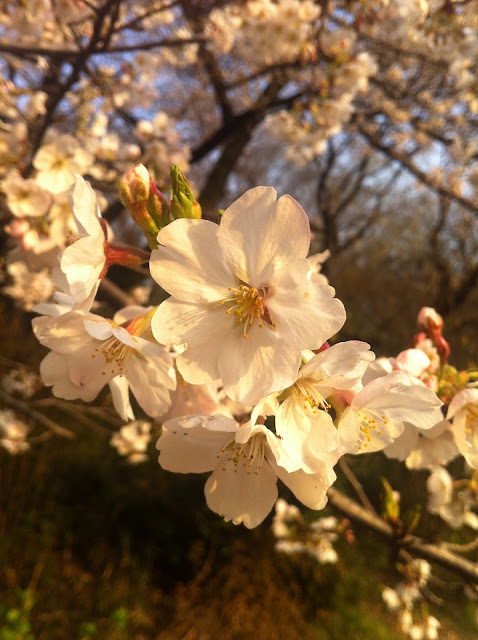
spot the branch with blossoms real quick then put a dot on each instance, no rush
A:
(237, 367)
(240, 365)
(242, 340)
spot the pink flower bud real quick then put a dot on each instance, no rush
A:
(147, 206)
(17, 227)
(429, 320)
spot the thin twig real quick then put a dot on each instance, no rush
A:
(461, 548)
(359, 490)
(35, 415)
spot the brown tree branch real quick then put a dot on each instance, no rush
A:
(36, 416)
(375, 141)
(413, 544)
(67, 54)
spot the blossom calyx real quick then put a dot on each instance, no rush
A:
(183, 201)
(123, 255)
(146, 204)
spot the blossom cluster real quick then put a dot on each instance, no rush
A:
(407, 600)
(243, 337)
(295, 536)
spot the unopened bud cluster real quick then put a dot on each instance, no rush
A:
(148, 206)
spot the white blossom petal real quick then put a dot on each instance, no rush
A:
(259, 235)
(189, 265)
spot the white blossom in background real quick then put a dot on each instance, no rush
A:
(25, 198)
(132, 441)
(59, 161)
(13, 432)
(262, 31)
(408, 602)
(21, 381)
(295, 536)
(243, 298)
(28, 287)
(454, 505)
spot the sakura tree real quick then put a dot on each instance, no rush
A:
(230, 345)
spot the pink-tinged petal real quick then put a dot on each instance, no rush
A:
(65, 334)
(259, 235)
(240, 492)
(152, 396)
(460, 400)
(82, 263)
(253, 367)
(198, 364)
(310, 489)
(186, 446)
(466, 438)
(402, 446)
(305, 436)
(90, 370)
(85, 208)
(189, 264)
(305, 314)
(120, 395)
(340, 365)
(54, 373)
(99, 329)
(177, 322)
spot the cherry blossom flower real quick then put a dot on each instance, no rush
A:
(89, 351)
(423, 448)
(301, 412)
(25, 198)
(377, 414)
(13, 432)
(59, 162)
(243, 296)
(86, 261)
(455, 507)
(28, 287)
(245, 462)
(463, 411)
(132, 441)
